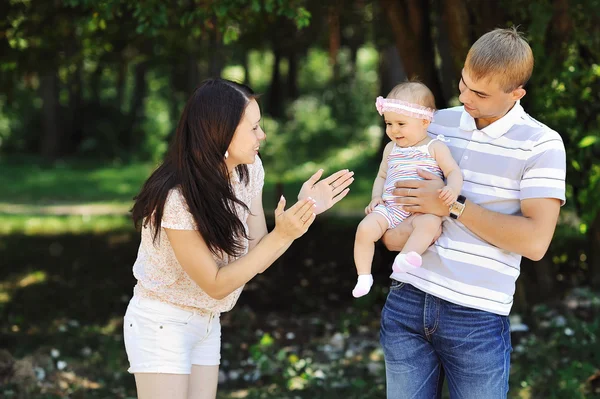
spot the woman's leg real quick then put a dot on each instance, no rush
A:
(203, 382)
(159, 386)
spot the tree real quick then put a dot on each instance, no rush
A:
(411, 27)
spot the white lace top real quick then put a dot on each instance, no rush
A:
(159, 274)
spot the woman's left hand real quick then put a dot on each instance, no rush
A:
(328, 191)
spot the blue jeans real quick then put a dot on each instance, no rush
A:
(426, 339)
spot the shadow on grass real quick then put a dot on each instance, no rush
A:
(69, 292)
(62, 299)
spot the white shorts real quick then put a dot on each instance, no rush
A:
(163, 338)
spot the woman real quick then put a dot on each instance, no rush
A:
(204, 236)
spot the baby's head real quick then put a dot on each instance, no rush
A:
(407, 111)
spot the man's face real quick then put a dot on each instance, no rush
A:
(484, 98)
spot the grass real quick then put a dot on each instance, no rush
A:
(62, 299)
(55, 225)
(84, 196)
(30, 181)
(65, 280)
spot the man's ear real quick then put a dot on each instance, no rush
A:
(518, 93)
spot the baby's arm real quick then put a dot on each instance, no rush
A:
(379, 183)
(454, 179)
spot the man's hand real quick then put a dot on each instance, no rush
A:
(328, 191)
(421, 196)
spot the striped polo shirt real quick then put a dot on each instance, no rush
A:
(512, 159)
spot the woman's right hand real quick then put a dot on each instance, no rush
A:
(294, 222)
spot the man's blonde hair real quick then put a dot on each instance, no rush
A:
(413, 92)
(502, 55)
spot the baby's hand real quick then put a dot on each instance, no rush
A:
(448, 195)
(374, 202)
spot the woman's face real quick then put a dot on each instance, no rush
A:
(246, 139)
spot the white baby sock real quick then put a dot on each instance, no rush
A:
(407, 262)
(363, 286)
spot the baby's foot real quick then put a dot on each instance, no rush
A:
(407, 262)
(363, 286)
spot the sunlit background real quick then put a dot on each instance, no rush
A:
(90, 94)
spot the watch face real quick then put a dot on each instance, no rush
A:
(456, 209)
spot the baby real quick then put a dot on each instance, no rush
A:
(407, 111)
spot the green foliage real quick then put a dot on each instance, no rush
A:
(152, 17)
(564, 91)
(330, 119)
(557, 358)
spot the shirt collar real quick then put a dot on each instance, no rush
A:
(497, 128)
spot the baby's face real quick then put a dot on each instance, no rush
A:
(404, 130)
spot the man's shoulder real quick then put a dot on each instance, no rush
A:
(529, 128)
(448, 117)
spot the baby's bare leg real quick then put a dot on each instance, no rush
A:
(425, 228)
(369, 231)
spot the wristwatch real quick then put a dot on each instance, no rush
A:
(457, 207)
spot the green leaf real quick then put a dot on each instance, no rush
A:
(302, 18)
(231, 34)
(588, 141)
(266, 340)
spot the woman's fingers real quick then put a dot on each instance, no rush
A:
(280, 206)
(342, 183)
(308, 205)
(336, 176)
(294, 208)
(341, 195)
(314, 178)
(309, 220)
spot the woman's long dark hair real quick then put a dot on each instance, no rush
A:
(195, 162)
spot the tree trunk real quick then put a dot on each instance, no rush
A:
(594, 256)
(454, 31)
(390, 74)
(559, 31)
(333, 20)
(75, 131)
(292, 76)
(539, 279)
(410, 24)
(246, 66)
(51, 137)
(132, 138)
(121, 80)
(485, 16)
(275, 95)
(216, 52)
(96, 79)
(193, 74)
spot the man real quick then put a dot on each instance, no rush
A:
(450, 317)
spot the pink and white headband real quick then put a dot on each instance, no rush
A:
(404, 108)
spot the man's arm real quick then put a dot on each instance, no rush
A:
(528, 235)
